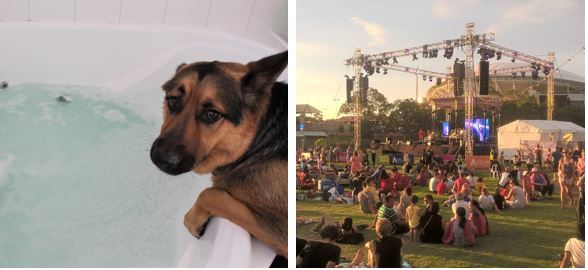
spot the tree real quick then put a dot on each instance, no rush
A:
(377, 105)
(409, 116)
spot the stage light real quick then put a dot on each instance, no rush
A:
(394, 61)
(512, 60)
(514, 75)
(430, 79)
(546, 70)
(424, 77)
(498, 55)
(377, 70)
(414, 57)
(523, 74)
(386, 61)
(385, 71)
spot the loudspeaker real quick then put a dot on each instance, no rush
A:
(363, 89)
(535, 74)
(349, 89)
(484, 77)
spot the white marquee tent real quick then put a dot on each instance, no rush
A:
(528, 133)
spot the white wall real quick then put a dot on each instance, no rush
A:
(116, 57)
(236, 15)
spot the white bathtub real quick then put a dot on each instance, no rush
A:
(127, 65)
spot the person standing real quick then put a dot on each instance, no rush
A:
(349, 152)
(567, 170)
(355, 163)
(556, 156)
(373, 157)
(421, 135)
(336, 151)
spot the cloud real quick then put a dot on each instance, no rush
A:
(447, 9)
(533, 11)
(374, 30)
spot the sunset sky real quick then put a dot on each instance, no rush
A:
(328, 31)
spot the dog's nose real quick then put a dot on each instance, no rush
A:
(171, 158)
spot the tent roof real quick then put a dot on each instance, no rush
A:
(535, 126)
(305, 108)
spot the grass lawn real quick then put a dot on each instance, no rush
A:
(528, 237)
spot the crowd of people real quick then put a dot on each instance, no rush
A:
(388, 197)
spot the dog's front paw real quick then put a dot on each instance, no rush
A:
(195, 221)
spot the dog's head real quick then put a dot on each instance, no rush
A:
(211, 113)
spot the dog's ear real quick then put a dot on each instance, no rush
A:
(264, 72)
(180, 66)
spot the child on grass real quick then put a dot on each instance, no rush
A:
(413, 214)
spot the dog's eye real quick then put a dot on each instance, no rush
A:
(210, 116)
(173, 103)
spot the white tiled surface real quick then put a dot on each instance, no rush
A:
(233, 15)
(230, 14)
(89, 11)
(54, 10)
(13, 10)
(187, 12)
(142, 12)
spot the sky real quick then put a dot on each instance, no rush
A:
(328, 32)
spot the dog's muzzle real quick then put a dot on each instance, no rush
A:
(171, 158)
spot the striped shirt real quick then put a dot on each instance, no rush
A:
(389, 213)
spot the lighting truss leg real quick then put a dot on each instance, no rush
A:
(469, 87)
(550, 88)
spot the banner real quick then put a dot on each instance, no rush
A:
(446, 157)
(477, 162)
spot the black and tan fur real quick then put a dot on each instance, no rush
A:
(245, 147)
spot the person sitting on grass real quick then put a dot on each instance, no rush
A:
(487, 202)
(478, 218)
(386, 183)
(538, 182)
(471, 179)
(422, 178)
(515, 197)
(460, 231)
(460, 203)
(366, 205)
(405, 200)
(527, 187)
(413, 213)
(460, 182)
(387, 211)
(442, 187)
(321, 254)
(349, 234)
(480, 185)
(574, 251)
(384, 252)
(337, 194)
(433, 182)
(431, 225)
(504, 177)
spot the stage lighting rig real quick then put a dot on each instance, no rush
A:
(498, 55)
(394, 61)
(414, 57)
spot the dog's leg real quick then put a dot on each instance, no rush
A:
(217, 202)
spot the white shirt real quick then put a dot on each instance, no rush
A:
(433, 184)
(503, 179)
(471, 181)
(463, 204)
(576, 248)
(486, 202)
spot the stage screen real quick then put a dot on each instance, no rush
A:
(445, 129)
(480, 129)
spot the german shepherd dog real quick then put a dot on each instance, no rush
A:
(230, 120)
